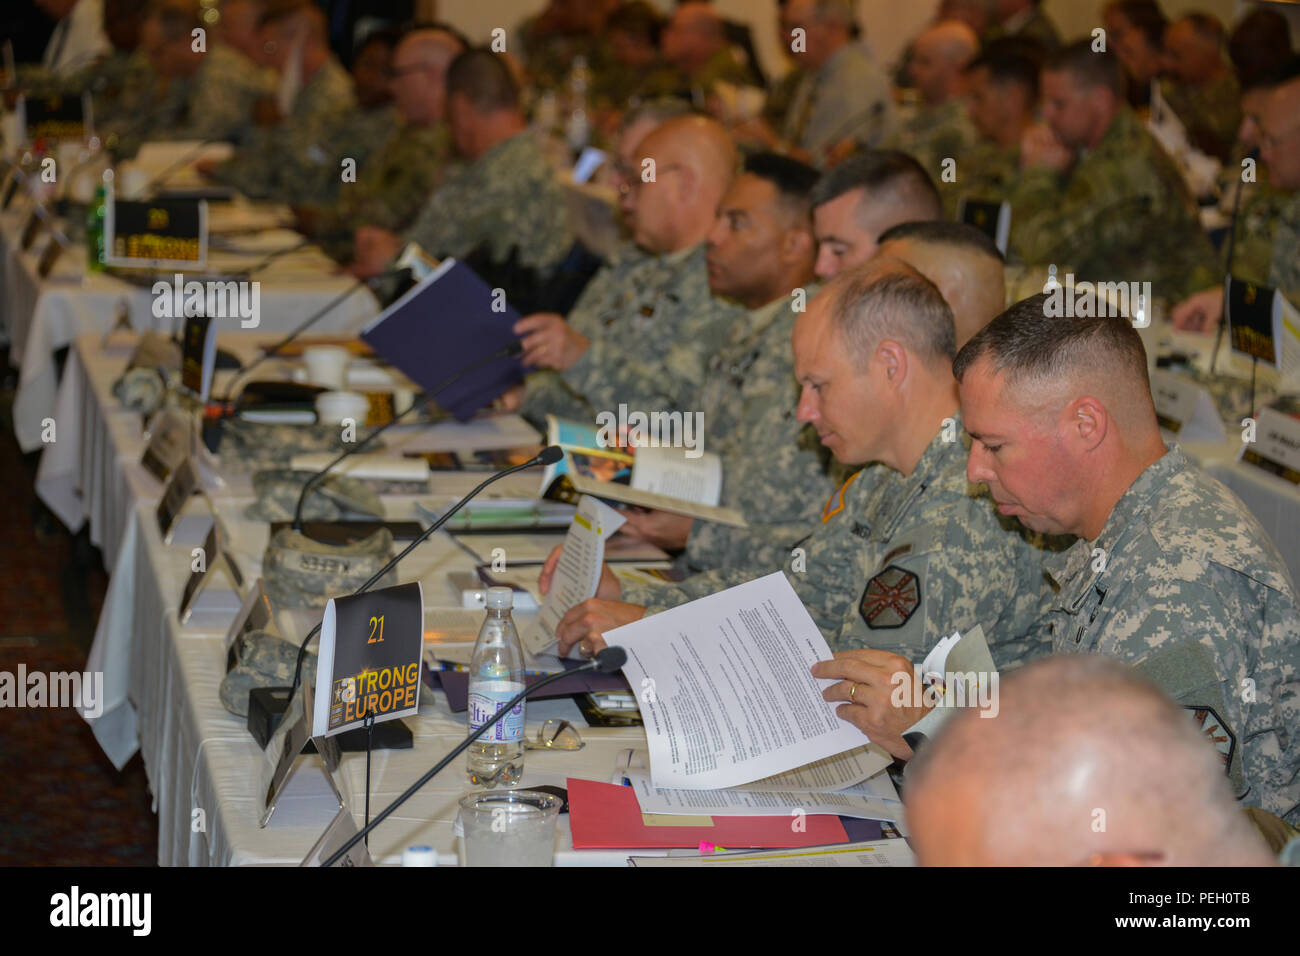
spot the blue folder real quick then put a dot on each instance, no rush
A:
(442, 324)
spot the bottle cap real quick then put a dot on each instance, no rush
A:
(500, 597)
(419, 856)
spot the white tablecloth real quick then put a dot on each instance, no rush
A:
(161, 679)
(42, 316)
(198, 756)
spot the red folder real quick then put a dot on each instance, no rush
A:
(607, 816)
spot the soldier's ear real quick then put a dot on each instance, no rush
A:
(1089, 422)
(893, 359)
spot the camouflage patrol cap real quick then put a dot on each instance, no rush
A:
(301, 572)
(278, 489)
(141, 390)
(252, 446)
(265, 660)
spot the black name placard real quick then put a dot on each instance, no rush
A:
(369, 664)
(989, 217)
(159, 233)
(54, 118)
(198, 355)
(1251, 320)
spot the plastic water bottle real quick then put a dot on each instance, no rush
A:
(496, 674)
(578, 128)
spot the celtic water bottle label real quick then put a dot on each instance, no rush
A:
(488, 697)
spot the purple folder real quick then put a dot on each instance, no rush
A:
(442, 324)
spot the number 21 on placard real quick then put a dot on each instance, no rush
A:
(376, 626)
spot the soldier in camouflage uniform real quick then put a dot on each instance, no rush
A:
(1003, 96)
(177, 92)
(227, 86)
(558, 35)
(835, 93)
(1202, 89)
(1097, 192)
(1171, 572)
(643, 330)
(506, 196)
(1268, 228)
(904, 554)
(938, 128)
(694, 43)
(412, 159)
(279, 159)
(761, 248)
(933, 134)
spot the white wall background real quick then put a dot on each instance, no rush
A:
(889, 24)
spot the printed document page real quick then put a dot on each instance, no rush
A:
(725, 688)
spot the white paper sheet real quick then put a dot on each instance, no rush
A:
(831, 773)
(577, 573)
(756, 803)
(725, 687)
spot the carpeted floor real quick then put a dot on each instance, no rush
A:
(62, 802)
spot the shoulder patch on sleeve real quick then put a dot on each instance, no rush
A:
(835, 503)
(890, 598)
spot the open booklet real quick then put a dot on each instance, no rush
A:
(668, 479)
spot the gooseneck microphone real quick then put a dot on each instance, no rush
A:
(606, 661)
(1227, 267)
(547, 456)
(513, 348)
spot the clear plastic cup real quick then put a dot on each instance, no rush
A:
(508, 828)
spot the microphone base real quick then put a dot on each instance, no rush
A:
(266, 707)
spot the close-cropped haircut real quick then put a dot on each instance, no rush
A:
(888, 299)
(483, 78)
(1010, 63)
(794, 181)
(955, 235)
(1028, 345)
(1089, 68)
(887, 171)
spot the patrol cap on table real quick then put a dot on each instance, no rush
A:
(300, 572)
(265, 660)
(278, 489)
(253, 446)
